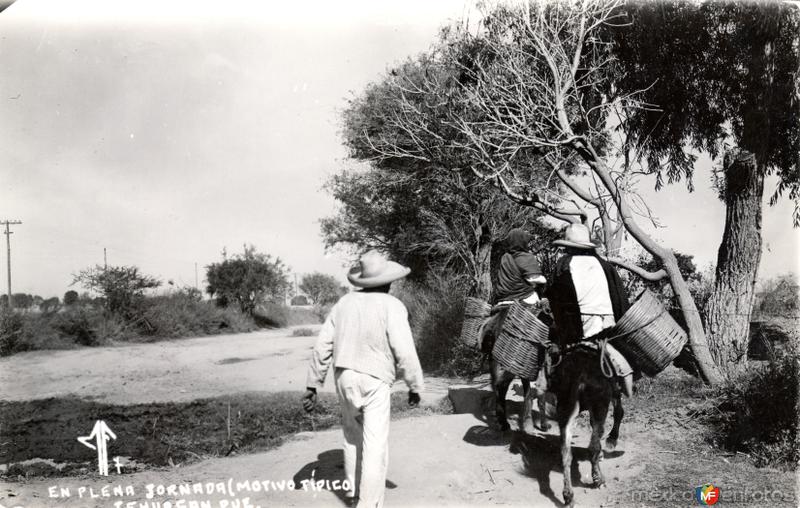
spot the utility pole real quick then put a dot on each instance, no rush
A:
(105, 259)
(195, 276)
(8, 234)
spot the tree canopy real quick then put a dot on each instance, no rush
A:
(323, 289)
(247, 279)
(121, 287)
(716, 75)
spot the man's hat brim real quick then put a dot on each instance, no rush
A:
(577, 245)
(394, 271)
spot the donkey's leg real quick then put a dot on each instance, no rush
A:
(567, 413)
(525, 418)
(597, 418)
(541, 400)
(619, 412)
(501, 379)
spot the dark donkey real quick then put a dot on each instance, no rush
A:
(580, 385)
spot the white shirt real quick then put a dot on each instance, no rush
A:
(591, 288)
(368, 333)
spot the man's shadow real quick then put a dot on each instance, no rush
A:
(328, 466)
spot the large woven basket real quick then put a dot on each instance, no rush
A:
(519, 345)
(647, 335)
(475, 313)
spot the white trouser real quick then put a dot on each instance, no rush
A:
(365, 421)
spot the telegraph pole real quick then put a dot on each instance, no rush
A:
(8, 234)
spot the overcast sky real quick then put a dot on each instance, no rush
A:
(167, 131)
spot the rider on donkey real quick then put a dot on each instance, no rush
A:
(518, 279)
(587, 298)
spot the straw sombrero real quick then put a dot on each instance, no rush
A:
(576, 235)
(375, 270)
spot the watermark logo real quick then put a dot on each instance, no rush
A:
(101, 433)
(706, 494)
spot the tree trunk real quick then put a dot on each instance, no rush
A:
(484, 282)
(730, 305)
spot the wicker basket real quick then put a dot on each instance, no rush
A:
(648, 337)
(475, 313)
(519, 346)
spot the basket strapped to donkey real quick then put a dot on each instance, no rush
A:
(520, 345)
(475, 313)
(647, 336)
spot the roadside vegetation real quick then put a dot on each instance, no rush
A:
(121, 304)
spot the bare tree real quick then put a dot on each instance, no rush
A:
(533, 112)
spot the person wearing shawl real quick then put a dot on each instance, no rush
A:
(518, 279)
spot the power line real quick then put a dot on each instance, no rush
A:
(8, 234)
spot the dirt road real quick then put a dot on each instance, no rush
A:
(442, 460)
(170, 371)
(452, 460)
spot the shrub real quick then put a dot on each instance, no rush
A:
(299, 300)
(81, 325)
(756, 413)
(183, 314)
(11, 333)
(301, 316)
(436, 312)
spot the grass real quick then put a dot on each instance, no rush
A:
(164, 434)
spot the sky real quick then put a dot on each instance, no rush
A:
(167, 131)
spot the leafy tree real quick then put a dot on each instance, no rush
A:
(247, 279)
(722, 77)
(4, 300)
(426, 219)
(322, 288)
(70, 297)
(779, 296)
(121, 287)
(22, 300)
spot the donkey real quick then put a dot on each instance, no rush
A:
(501, 380)
(579, 384)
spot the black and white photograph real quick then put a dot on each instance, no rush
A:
(354, 253)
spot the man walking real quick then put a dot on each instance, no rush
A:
(368, 339)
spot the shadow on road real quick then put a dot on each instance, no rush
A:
(541, 454)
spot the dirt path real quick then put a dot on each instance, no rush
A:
(443, 460)
(170, 371)
(453, 460)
